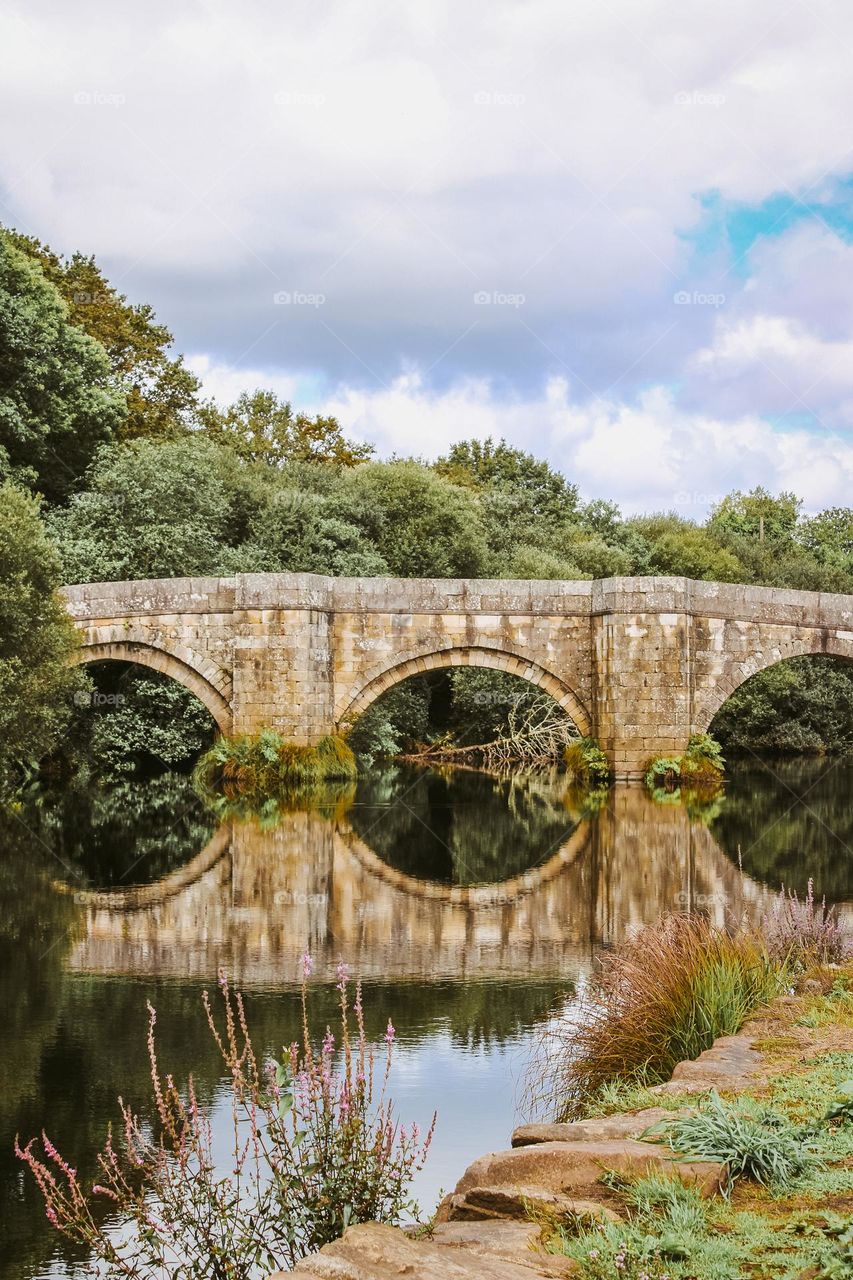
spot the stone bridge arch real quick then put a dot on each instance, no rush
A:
(812, 643)
(355, 701)
(177, 663)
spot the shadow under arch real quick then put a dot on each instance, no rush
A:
(166, 663)
(368, 690)
(136, 898)
(821, 644)
(476, 896)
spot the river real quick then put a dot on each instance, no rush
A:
(472, 907)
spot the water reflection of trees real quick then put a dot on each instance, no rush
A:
(459, 826)
(131, 832)
(788, 820)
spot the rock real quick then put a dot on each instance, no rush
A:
(729, 1062)
(372, 1251)
(623, 1125)
(513, 1241)
(574, 1168)
(479, 1204)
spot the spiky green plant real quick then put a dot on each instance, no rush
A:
(252, 767)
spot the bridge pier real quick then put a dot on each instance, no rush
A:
(640, 663)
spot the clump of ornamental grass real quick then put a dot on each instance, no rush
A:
(698, 772)
(662, 997)
(255, 766)
(315, 1146)
(759, 1144)
(805, 933)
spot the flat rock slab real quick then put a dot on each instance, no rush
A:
(375, 1252)
(603, 1127)
(490, 1204)
(731, 1061)
(574, 1168)
(518, 1242)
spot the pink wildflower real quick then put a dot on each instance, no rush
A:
(307, 965)
(390, 1033)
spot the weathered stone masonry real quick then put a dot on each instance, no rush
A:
(641, 663)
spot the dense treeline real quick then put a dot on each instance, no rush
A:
(138, 476)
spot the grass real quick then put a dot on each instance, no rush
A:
(664, 996)
(586, 763)
(255, 767)
(784, 1219)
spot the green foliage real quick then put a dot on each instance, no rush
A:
(58, 400)
(152, 510)
(586, 763)
(301, 532)
(759, 1144)
(486, 466)
(261, 428)
(841, 1107)
(800, 705)
(37, 638)
(695, 775)
(265, 765)
(160, 392)
(757, 515)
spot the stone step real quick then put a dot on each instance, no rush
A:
(491, 1204)
(603, 1127)
(372, 1251)
(574, 1169)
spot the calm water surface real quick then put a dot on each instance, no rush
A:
(472, 907)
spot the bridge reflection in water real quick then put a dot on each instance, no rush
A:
(253, 901)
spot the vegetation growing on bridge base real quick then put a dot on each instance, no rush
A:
(265, 765)
(586, 763)
(699, 772)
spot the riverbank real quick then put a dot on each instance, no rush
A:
(604, 1196)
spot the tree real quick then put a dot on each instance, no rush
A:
(261, 428)
(160, 392)
(421, 525)
(485, 465)
(756, 515)
(677, 546)
(36, 636)
(152, 510)
(58, 402)
(829, 537)
(298, 532)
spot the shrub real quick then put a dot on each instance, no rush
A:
(664, 996)
(805, 933)
(252, 767)
(586, 763)
(763, 1146)
(315, 1147)
(698, 772)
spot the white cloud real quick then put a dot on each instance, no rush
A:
(647, 455)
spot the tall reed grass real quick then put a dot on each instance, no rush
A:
(662, 997)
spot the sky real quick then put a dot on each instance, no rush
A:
(617, 233)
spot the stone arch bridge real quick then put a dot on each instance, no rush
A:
(641, 663)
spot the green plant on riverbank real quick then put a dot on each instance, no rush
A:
(586, 764)
(788, 1213)
(316, 1146)
(695, 777)
(266, 765)
(664, 996)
